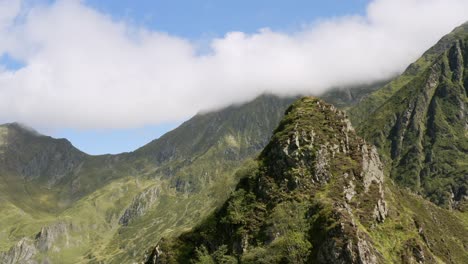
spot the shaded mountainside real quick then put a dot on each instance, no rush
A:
(41, 173)
(255, 119)
(318, 195)
(30, 155)
(422, 129)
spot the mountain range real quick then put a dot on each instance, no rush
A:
(277, 180)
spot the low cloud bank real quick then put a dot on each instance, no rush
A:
(82, 69)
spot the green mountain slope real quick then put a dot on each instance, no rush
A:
(318, 196)
(372, 102)
(422, 128)
(103, 200)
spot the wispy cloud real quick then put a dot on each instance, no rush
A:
(85, 70)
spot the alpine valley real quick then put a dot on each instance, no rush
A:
(369, 174)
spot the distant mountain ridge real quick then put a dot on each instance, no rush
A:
(54, 158)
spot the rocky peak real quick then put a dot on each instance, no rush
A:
(314, 145)
(309, 135)
(316, 170)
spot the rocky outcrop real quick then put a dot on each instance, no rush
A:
(26, 250)
(372, 175)
(48, 235)
(316, 170)
(415, 253)
(23, 252)
(140, 205)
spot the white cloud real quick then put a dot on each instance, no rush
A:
(85, 70)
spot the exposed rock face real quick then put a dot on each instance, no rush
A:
(26, 250)
(140, 205)
(372, 169)
(49, 234)
(23, 252)
(372, 175)
(317, 176)
(414, 253)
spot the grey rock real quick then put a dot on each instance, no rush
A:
(49, 234)
(140, 205)
(26, 250)
(23, 252)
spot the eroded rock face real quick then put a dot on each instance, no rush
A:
(140, 205)
(49, 234)
(26, 250)
(23, 252)
(372, 169)
(347, 244)
(415, 253)
(372, 174)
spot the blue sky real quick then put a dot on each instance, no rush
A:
(197, 20)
